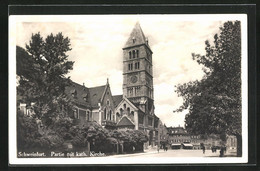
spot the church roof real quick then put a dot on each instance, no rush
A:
(96, 94)
(136, 37)
(88, 97)
(117, 99)
(75, 92)
(125, 121)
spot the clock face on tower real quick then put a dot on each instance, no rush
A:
(133, 79)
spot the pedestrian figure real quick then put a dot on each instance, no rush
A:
(166, 148)
(221, 152)
(203, 149)
(158, 148)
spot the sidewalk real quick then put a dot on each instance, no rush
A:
(147, 151)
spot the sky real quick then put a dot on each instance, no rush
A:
(97, 42)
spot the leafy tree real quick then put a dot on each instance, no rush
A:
(42, 70)
(214, 103)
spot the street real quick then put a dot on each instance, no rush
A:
(173, 153)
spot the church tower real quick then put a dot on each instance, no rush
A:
(138, 71)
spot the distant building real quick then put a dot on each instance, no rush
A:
(179, 138)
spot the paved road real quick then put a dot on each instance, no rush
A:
(171, 153)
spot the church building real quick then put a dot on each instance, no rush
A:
(136, 109)
(132, 110)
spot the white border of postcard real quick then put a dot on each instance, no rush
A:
(14, 19)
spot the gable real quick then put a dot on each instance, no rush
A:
(127, 102)
(107, 98)
(125, 121)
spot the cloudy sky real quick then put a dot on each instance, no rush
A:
(97, 42)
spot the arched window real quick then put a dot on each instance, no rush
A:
(121, 111)
(137, 53)
(130, 55)
(105, 114)
(133, 53)
(110, 115)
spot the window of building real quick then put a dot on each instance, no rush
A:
(137, 65)
(130, 55)
(105, 114)
(130, 67)
(130, 92)
(137, 90)
(133, 53)
(137, 53)
(110, 115)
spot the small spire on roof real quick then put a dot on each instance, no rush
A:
(107, 81)
(83, 84)
(146, 40)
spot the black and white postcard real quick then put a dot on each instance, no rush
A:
(128, 89)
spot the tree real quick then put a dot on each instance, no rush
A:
(214, 103)
(42, 70)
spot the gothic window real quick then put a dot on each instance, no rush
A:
(130, 55)
(105, 114)
(137, 53)
(133, 39)
(137, 90)
(133, 53)
(130, 67)
(110, 115)
(130, 91)
(137, 65)
(124, 105)
(117, 116)
(121, 111)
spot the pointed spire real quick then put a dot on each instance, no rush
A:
(136, 37)
(107, 81)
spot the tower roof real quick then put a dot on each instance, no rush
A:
(136, 37)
